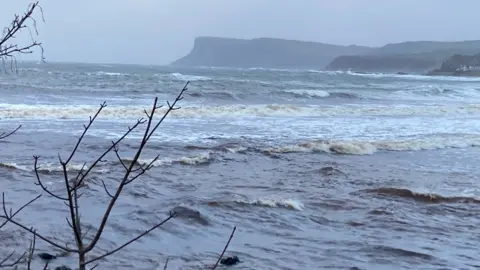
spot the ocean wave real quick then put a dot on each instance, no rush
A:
(104, 73)
(419, 196)
(265, 110)
(226, 147)
(308, 92)
(50, 167)
(263, 202)
(413, 76)
(200, 159)
(370, 147)
(186, 77)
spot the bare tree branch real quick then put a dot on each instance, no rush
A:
(10, 50)
(31, 251)
(148, 133)
(7, 216)
(166, 264)
(225, 248)
(4, 135)
(131, 172)
(170, 216)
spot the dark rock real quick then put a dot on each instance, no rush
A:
(230, 260)
(186, 213)
(46, 256)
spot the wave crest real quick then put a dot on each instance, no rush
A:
(417, 196)
(370, 147)
(265, 110)
(264, 202)
(200, 159)
(49, 167)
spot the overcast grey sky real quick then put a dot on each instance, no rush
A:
(160, 31)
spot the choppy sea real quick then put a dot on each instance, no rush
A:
(317, 169)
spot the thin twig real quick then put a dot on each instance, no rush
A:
(170, 216)
(4, 135)
(148, 133)
(18, 23)
(225, 248)
(166, 264)
(31, 251)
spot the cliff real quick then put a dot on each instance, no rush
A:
(264, 52)
(383, 63)
(419, 56)
(459, 65)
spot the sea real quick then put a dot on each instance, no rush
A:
(315, 169)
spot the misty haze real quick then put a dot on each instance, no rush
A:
(305, 134)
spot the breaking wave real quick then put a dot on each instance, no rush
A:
(186, 77)
(266, 202)
(370, 147)
(309, 93)
(226, 147)
(122, 112)
(412, 76)
(49, 167)
(200, 159)
(421, 197)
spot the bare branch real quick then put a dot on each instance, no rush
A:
(40, 183)
(166, 264)
(170, 216)
(9, 218)
(132, 172)
(225, 248)
(31, 251)
(4, 135)
(19, 23)
(106, 190)
(8, 215)
(148, 133)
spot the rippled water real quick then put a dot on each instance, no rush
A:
(316, 169)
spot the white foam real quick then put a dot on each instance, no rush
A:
(274, 203)
(186, 77)
(202, 158)
(278, 110)
(309, 92)
(50, 167)
(351, 147)
(414, 76)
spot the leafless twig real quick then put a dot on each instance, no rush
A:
(131, 172)
(4, 135)
(225, 248)
(9, 50)
(7, 215)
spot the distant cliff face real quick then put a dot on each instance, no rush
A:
(415, 56)
(264, 52)
(387, 63)
(459, 65)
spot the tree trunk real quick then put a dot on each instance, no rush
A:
(81, 261)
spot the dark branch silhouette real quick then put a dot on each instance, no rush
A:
(73, 186)
(8, 49)
(4, 135)
(7, 215)
(225, 248)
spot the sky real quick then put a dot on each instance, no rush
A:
(161, 31)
